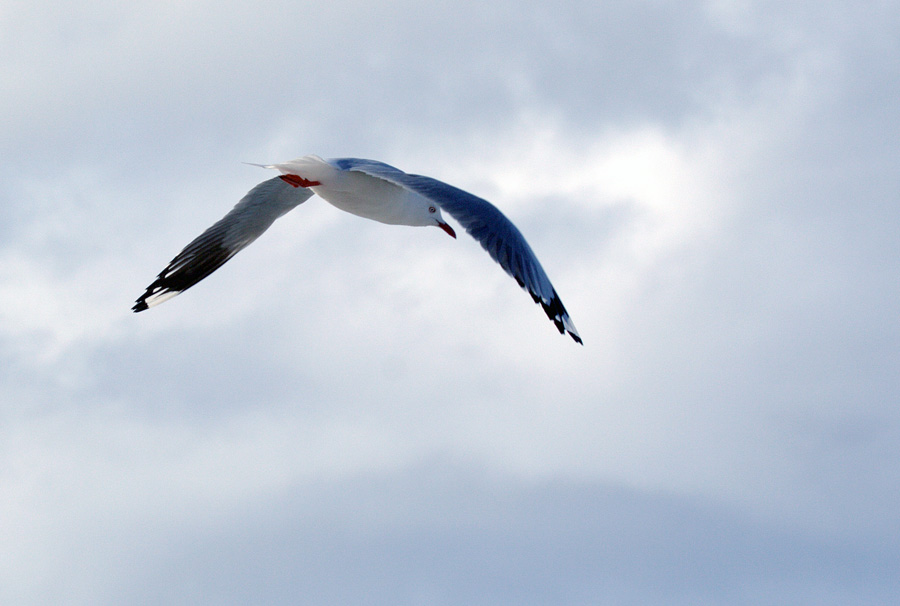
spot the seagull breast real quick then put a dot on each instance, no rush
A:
(371, 197)
(358, 193)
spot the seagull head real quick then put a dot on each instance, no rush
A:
(436, 219)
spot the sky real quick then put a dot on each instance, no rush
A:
(349, 412)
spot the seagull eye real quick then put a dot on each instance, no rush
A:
(432, 209)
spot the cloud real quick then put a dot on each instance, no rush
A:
(351, 409)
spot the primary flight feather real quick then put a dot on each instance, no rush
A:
(370, 189)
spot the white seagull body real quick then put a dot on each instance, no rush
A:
(370, 189)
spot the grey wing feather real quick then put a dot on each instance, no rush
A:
(249, 218)
(483, 221)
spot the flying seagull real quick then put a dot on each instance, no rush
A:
(370, 189)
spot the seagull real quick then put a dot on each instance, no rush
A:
(370, 189)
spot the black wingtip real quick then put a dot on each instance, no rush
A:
(139, 306)
(557, 313)
(561, 327)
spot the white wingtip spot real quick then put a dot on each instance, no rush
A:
(570, 328)
(157, 298)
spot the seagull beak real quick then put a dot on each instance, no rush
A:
(446, 228)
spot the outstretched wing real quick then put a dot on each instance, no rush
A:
(210, 250)
(484, 222)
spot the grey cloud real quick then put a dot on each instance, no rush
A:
(444, 534)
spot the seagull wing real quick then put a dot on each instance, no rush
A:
(210, 250)
(484, 222)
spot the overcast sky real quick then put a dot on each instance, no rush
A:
(355, 413)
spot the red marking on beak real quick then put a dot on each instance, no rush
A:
(446, 228)
(298, 181)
